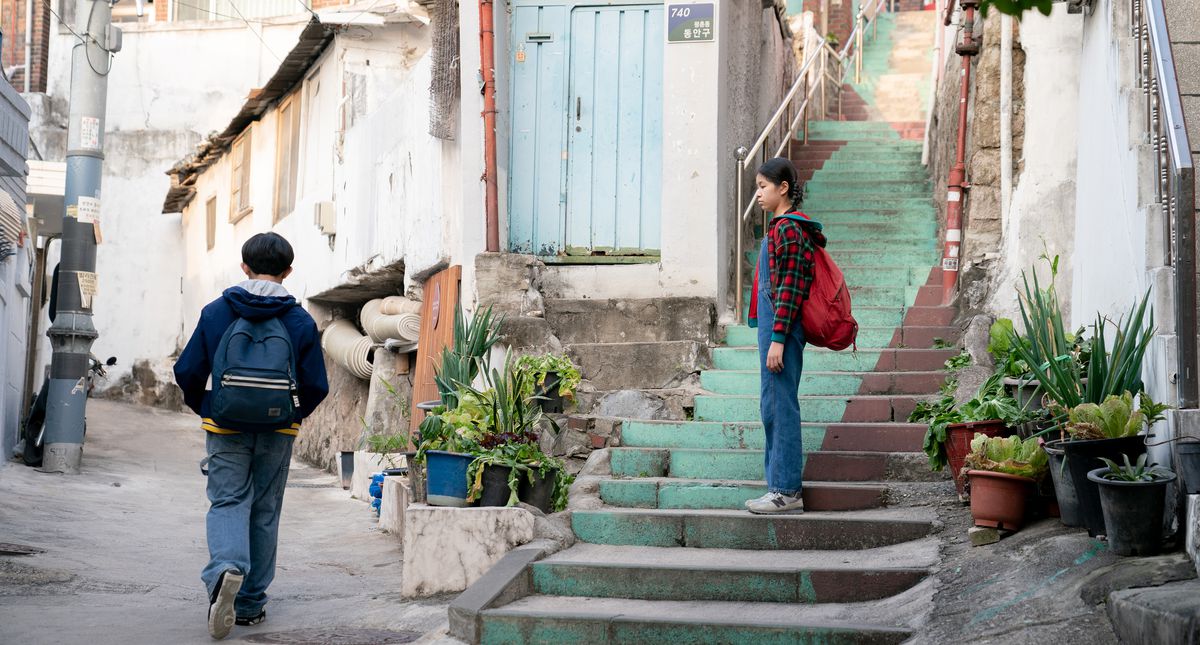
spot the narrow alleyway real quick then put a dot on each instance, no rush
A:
(124, 544)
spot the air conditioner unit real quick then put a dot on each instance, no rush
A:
(326, 218)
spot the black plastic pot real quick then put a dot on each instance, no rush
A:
(1133, 512)
(416, 478)
(1083, 457)
(551, 401)
(495, 486)
(1187, 463)
(346, 468)
(1064, 486)
(540, 492)
(428, 406)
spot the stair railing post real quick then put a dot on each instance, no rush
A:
(824, 87)
(858, 43)
(739, 225)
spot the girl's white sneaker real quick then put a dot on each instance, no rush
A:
(776, 503)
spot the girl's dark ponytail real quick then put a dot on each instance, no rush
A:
(780, 170)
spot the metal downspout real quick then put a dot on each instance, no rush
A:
(957, 183)
(487, 64)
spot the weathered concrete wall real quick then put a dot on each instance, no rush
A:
(381, 174)
(1041, 217)
(337, 424)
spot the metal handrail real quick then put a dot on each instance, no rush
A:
(1176, 190)
(797, 116)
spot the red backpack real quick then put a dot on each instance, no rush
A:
(826, 316)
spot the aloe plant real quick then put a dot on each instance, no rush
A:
(1138, 472)
(460, 362)
(1056, 357)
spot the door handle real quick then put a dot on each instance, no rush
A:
(578, 108)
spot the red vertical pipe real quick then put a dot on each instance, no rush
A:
(958, 172)
(487, 63)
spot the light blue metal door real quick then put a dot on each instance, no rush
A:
(537, 196)
(585, 163)
(614, 156)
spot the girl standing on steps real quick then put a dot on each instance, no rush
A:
(781, 284)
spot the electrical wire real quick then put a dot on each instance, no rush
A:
(251, 28)
(308, 9)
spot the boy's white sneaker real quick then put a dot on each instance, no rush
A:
(221, 614)
(756, 499)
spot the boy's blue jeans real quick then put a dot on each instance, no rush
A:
(247, 474)
(780, 401)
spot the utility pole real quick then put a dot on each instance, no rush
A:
(72, 333)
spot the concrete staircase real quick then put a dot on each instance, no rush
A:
(667, 552)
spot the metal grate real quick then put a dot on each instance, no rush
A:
(443, 88)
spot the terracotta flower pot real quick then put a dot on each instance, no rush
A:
(998, 499)
(958, 445)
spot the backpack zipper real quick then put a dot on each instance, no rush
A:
(258, 382)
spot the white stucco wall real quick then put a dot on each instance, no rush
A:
(171, 85)
(15, 290)
(1120, 244)
(387, 184)
(1041, 217)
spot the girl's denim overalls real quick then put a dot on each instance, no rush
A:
(780, 402)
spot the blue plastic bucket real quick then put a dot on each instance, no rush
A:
(447, 477)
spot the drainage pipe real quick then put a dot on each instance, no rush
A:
(349, 348)
(1006, 137)
(487, 64)
(380, 326)
(957, 183)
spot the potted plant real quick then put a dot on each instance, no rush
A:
(1002, 473)
(510, 451)
(554, 378)
(1132, 497)
(1099, 432)
(449, 442)
(951, 427)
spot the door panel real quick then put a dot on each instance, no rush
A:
(615, 131)
(535, 172)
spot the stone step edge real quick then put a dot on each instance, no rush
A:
(651, 612)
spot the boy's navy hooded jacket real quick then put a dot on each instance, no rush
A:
(252, 300)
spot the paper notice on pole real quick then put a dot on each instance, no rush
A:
(87, 288)
(88, 210)
(89, 133)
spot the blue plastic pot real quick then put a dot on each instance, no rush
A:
(446, 477)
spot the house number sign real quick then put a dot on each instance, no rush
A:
(690, 23)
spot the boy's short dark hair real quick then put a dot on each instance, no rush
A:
(268, 254)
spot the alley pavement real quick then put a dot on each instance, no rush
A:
(124, 543)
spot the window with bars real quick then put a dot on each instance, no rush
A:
(239, 194)
(287, 155)
(210, 223)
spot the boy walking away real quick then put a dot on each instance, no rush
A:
(262, 353)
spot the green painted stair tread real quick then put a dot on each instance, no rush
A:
(878, 336)
(747, 464)
(706, 435)
(748, 382)
(680, 573)
(670, 492)
(733, 529)
(539, 619)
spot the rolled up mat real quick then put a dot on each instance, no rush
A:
(393, 305)
(348, 347)
(381, 327)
